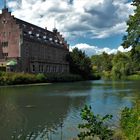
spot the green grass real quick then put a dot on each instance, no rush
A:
(130, 122)
(133, 77)
(26, 78)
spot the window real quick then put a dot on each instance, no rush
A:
(33, 68)
(4, 44)
(4, 34)
(30, 32)
(44, 37)
(47, 68)
(37, 35)
(50, 39)
(4, 21)
(42, 68)
(39, 68)
(5, 54)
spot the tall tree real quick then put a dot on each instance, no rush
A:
(133, 31)
(102, 61)
(80, 63)
(132, 38)
(122, 65)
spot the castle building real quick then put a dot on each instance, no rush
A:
(25, 47)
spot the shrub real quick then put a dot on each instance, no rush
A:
(130, 122)
(40, 77)
(94, 125)
(26, 78)
(22, 78)
(17, 78)
(133, 77)
(106, 75)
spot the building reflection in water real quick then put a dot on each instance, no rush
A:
(39, 111)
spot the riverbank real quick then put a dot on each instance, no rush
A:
(13, 78)
(35, 79)
(107, 75)
(26, 85)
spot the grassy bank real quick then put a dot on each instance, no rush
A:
(133, 77)
(107, 75)
(130, 122)
(26, 78)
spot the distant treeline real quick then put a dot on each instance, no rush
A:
(117, 66)
(123, 65)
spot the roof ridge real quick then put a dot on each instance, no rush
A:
(17, 19)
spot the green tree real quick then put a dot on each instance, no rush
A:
(133, 31)
(80, 63)
(132, 38)
(94, 125)
(122, 65)
(102, 61)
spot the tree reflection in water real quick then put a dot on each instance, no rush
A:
(38, 111)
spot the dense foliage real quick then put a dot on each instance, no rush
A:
(133, 31)
(80, 63)
(132, 38)
(102, 62)
(26, 78)
(116, 66)
(122, 66)
(94, 125)
(130, 122)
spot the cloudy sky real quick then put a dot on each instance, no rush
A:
(91, 25)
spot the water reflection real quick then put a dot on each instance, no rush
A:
(53, 111)
(37, 109)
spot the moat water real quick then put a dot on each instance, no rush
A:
(53, 111)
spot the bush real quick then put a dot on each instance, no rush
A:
(94, 125)
(106, 75)
(130, 122)
(133, 77)
(40, 77)
(17, 78)
(21, 78)
(26, 78)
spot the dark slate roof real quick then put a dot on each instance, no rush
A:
(40, 34)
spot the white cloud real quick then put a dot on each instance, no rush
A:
(92, 50)
(92, 18)
(121, 49)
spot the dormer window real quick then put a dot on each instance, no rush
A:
(44, 37)
(30, 32)
(37, 35)
(4, 21)
(50, 39)
(56, 41)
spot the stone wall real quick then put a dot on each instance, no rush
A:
(35, 49)
(38, 58)
(9, 36)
